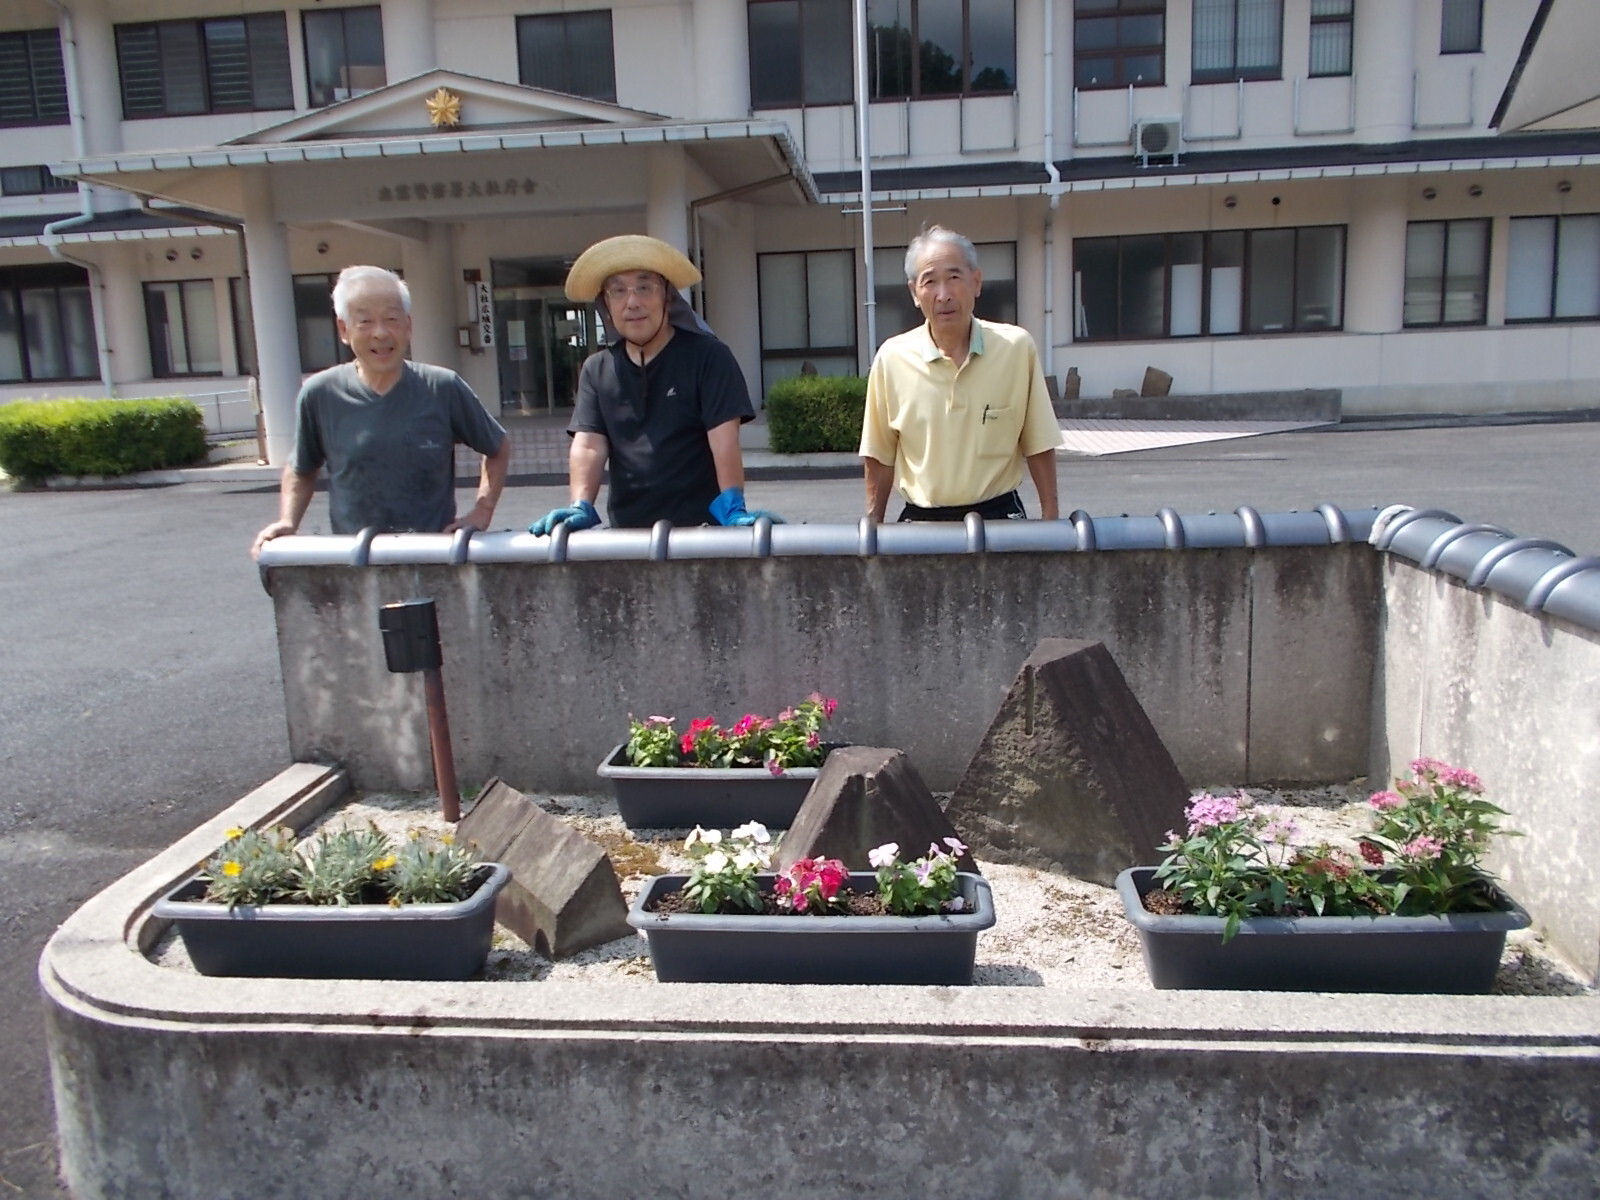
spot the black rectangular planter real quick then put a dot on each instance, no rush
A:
(327, 941)
(714, 797)
(701, 948)
(1445, 953)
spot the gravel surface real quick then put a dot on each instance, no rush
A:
(1052, 930)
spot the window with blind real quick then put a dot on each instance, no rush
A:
(808, 313)
(181, 318)
(33, 79)
(924, 49)
(1553, 268)
(1332, 37)
(32, 180)
(569, 53)
(46, 325)
(1237, 39)
(800, 53)
(1161, 285)
(1461, 27)
(215, 65)
(344, 53)
(1116, 43)
(1447, 273)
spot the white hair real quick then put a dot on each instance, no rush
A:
(352, 279)
(935, 235)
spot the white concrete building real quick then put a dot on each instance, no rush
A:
(1252, 195)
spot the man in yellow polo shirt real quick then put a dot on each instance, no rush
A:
(956, 406)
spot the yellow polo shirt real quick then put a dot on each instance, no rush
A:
(957, 435)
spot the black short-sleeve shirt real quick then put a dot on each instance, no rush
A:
(655, 420)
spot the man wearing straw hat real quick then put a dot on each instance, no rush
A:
(661, 403)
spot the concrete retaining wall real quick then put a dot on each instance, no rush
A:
(1254, 664)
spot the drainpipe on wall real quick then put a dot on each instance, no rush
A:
(51, 234)
(1052, 189)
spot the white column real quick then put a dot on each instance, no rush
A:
(272, 307)
(1384, 58)
(123, 296)
(732, 308)
(722, 60)
(435, 297)
(667, 212)
(95, 53)
(408, 44)
(1375, 259)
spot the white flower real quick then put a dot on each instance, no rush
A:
(753, 831)
(695, 835)
(884, 854)
(716, 862)
(957, 846)
(958, 903)
(748, 858)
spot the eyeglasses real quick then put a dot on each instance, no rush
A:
(618, 293)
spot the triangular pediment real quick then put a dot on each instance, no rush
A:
(406, 109)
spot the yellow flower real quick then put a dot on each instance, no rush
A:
(384, 863)
(230, 869)
(449, 839)
(394, 901)
(234, 834)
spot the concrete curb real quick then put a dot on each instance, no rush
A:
(153, 1068)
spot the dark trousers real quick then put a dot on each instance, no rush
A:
(1005, 507)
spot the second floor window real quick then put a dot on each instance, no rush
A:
(1461, 27)
(1447, 273)
(1237, 39)
(1332, 36)
(344, 53)
(215, 65)
(32, 181)
(569, 53)
(1118, 42)
(33, 80)
(800, 53)
(921, 49)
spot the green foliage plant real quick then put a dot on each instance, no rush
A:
(341, 867)
(922, 887)
(792, 739)
(816, 414)
(429, 870)
(40, 438)
(254, 866)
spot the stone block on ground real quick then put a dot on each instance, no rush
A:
(563, 896)
(1073, 385)
(863, 797)
(1071, 775)
(1156, 382)
(1124, 394)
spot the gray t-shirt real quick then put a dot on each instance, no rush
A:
(390, 458)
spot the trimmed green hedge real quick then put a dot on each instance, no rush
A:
(40, 438)
(815, 414)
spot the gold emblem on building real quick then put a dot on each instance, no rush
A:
(444, 108)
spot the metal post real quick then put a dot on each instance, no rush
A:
(864, 137)
(444, 762)
(410, 631)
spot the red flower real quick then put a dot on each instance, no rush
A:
(1372, 853)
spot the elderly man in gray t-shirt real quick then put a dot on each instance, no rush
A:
(386, 428)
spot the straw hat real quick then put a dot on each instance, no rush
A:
(629, 252)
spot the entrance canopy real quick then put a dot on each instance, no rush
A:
(1556, 83)
(444, 145)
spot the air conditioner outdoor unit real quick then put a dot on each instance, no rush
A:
(1155, 137)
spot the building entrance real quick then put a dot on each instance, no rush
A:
(541, 337)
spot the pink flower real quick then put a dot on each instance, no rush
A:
(957, 846)
(775, 766)
(1206, 810)
(812, 740)
(827, 702)
(686, 744)
(745, 724)
(1383, 801)
(1422, 847)
(786, 715)
(1435, 770)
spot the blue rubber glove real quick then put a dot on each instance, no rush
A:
(729, 509)
(575, 516)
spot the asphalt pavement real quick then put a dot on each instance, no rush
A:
(139, 679)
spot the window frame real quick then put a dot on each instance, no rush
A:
(1208, 257)
(53, 278)
(1558, 221)
(208, 51)
(43, 77)
(1233, 73)
(42, 182)
(966, 91)
(1121, 52)
(1347, 19)
(174, 371)
(341, 352)
(799, 40)
(564, 20)
(1449, 223)
(1474, 8)
(309, 18)
(808, 351)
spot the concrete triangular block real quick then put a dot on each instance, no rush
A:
(1071, 775)
(563, 896)
(863, 797)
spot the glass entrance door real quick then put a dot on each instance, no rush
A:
(541, 337)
